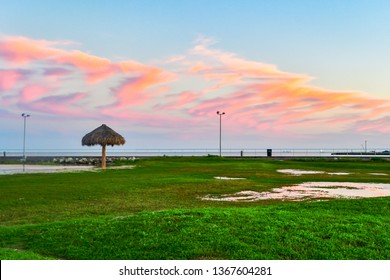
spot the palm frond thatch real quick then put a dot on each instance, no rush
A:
(103, 135)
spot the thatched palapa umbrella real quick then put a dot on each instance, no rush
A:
(103, 135)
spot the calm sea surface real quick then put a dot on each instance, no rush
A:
(117, 152)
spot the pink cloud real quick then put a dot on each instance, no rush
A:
(84, 61)
(256, 96)
(33, 92)
(65, 106)
(228, 66)
(379, 125)
(156, 120)
(131, 92)
(134, 83)
(138, 90)
(9, 78)
(199, 67)
(288, 104)
(179, 101)
(21, 50)
(95, 68)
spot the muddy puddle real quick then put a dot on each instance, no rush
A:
(310, 191)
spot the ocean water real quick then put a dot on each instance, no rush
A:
(236, 152)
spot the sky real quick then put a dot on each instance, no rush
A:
(287, 74)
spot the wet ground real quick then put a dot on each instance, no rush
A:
(30, 168)
(298, 172)
(309, 190)
(228, 178)
(299, 192)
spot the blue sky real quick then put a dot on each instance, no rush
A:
(287, 73)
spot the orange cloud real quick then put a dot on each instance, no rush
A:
(255, 96)
(199, 67)
(95, 68)
(20, 50)
(60, 69)
(139, 89)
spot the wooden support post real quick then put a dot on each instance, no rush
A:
(103, 156)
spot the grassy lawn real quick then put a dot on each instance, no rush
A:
(155, 211)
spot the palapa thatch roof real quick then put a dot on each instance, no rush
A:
(103, 135)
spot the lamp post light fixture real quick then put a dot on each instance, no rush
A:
(25, 116)
(220, 131)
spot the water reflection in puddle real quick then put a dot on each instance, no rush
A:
(299, 172)
(6, 169)
(378, 174)
(228, 178)
(310, 190)
(308, 172)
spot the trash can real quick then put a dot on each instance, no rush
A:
(269, 152)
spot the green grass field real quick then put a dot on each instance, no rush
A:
(155, 211)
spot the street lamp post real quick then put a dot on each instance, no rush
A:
(25, 116)
(220, 131)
